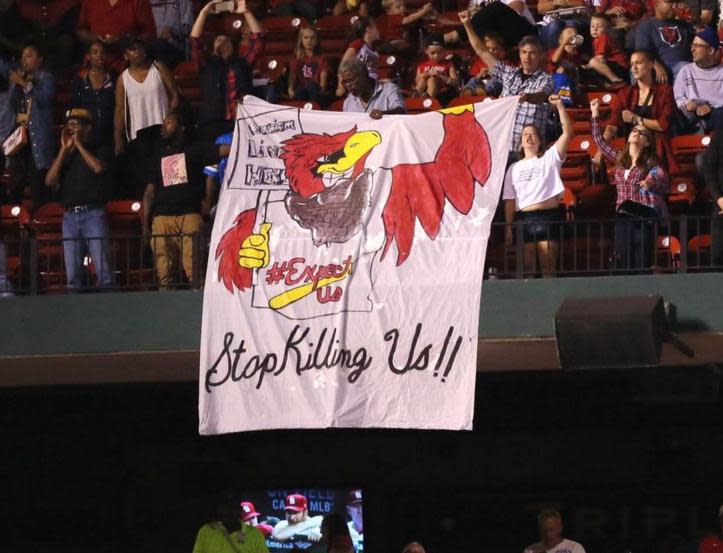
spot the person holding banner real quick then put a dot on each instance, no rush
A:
(533, 188)
(367, 95)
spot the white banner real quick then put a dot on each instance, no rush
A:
(345, 272)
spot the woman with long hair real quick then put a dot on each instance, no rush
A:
(308, 68)
(32, 101)
(646, 103)
(640, 182)
(532, 192)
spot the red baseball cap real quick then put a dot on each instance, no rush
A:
(354, 497)
(248, 511)
(295, 502)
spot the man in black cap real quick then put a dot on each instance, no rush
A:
(80, 174)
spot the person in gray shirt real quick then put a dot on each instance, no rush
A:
(365, 95)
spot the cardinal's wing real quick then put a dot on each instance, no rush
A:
(420, 191)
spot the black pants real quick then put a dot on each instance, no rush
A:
(634, 242)
(132, 166)
(23, 172)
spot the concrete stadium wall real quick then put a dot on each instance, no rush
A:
(171, 321)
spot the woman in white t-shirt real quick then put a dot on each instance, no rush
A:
(532, 192)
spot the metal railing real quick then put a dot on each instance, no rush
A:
(36, 265)
(589, 247)
(580, 247)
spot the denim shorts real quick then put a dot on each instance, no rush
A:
(543, 224)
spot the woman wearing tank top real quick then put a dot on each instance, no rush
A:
(532, 191)
(144, 94)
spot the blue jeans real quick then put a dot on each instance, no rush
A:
(86, 231)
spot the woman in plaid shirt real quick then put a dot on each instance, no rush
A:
(641, 183)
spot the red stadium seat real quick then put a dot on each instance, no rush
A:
(283, 28)
(418, 104)
(466, 100)
(336, 105)
(682, 189)
(390, 67)
(131, 260)
(224, 23)
(668, 252)
(301, 104)
(47, 223)
(699, 243)
(270, 68)
(13, 221)
(334, 27)
(685, 149)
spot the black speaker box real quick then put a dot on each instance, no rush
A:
(610, 333)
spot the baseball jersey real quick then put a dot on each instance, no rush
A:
(434, 67)
(308, 69)
(604, 46)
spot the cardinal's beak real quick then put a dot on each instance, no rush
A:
(358, 145)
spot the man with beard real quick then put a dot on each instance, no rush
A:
(365, 95)
(298, 522)
(175, 197)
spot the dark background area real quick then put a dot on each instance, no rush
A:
(633, 459)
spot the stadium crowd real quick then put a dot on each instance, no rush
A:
(106, 101)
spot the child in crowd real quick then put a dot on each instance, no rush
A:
(393, 25)
(567, 52)
(350, 6)
(480, 84)
(436, 77)
(364, 35)
(607, 59)
(563, 64)
(308, 69)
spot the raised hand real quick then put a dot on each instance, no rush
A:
(595, 107)
(67, 140)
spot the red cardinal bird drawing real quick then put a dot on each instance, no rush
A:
(330, 191)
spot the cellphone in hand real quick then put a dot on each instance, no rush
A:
(225, 6)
